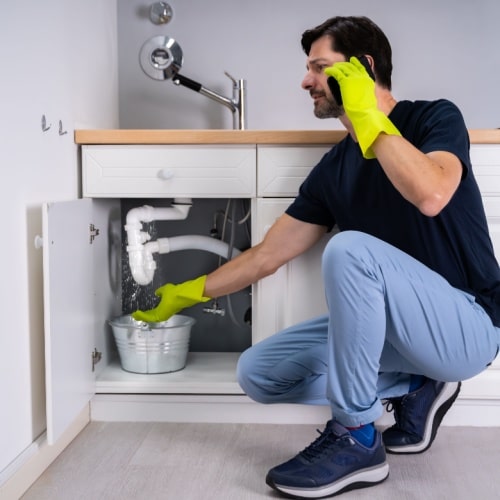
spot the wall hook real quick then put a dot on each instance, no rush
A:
(44, 124)
(61, 131)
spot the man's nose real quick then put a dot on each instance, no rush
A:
(307, 82)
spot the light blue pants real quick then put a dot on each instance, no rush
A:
(389, 316)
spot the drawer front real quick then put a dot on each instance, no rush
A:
(281, 169)
(486, 165)
(169, 171)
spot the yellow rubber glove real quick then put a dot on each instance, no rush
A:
(360, 104)
(173, 299)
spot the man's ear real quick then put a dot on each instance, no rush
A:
(371, 62)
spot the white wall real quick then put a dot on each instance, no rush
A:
(444, 48)
(59, 58)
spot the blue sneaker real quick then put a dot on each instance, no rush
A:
(332, 464)
(418, 416)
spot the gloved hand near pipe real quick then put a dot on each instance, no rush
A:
(360, 104)
(174, 298)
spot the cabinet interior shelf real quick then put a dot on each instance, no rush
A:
(205, 373)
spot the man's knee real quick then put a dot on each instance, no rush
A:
(343, 248)
(248, 377)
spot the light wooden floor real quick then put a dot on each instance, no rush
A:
(150, 461)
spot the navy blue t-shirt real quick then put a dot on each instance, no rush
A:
(355, 194)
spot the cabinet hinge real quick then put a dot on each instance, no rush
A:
(94, 232)
(96, 357)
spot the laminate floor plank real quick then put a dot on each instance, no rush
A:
(176, 461)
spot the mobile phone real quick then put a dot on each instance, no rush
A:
(335, 87)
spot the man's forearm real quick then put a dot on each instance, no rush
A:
(237, 274)
(287, 238)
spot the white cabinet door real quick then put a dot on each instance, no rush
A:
(485, 160)
(492, 209)
(75, 243)
(295, 292)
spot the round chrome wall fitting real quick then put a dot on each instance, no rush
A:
(160, 13)
(161, 57)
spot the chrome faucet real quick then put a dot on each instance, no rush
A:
(161, 59)
(237, 104)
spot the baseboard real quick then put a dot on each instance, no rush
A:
(241, 409)
(28, 467)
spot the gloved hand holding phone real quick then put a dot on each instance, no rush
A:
(360, 104)
(174, 298)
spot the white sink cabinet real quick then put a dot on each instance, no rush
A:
(82, 274)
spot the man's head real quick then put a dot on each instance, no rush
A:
(338, 39)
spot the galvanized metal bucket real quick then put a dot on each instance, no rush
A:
(152, 347)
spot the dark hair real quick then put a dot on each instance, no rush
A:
(355, 36)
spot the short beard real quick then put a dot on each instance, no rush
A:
(328, 109)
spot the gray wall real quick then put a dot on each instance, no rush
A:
(442, 48)
(52, 64)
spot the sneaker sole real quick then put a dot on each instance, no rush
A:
(438, 410)
(356, 480)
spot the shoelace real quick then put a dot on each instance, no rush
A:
(395, 405)
(325, 443)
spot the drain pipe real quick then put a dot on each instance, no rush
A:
(140, 249)
(192, 242)
(142, 264)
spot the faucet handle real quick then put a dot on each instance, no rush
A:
(235, 83)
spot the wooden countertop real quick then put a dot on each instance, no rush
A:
(168, 136)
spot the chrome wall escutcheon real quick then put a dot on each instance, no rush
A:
(160, 13)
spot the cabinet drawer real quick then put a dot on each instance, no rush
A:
(486, 164)
(281, 169)
(169, 171)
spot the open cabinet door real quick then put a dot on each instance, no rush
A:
(68, 304)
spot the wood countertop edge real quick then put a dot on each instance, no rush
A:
(208, 136)
(297, 137)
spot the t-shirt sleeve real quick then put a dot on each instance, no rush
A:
(444, 130)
